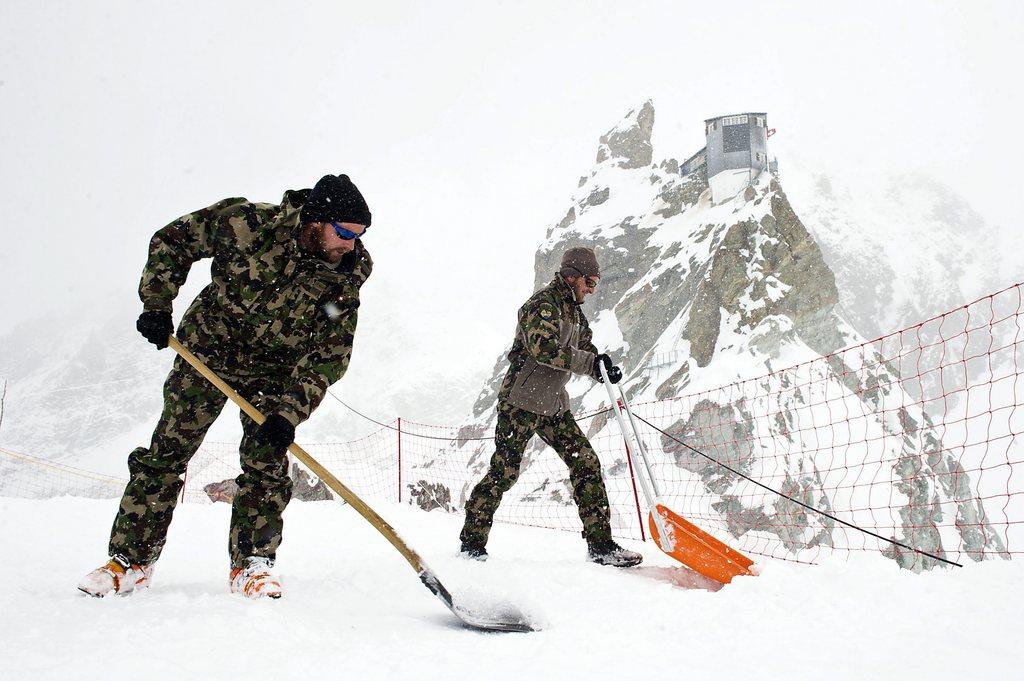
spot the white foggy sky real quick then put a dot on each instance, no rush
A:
(465, 125)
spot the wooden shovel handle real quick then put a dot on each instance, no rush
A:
(308, 461)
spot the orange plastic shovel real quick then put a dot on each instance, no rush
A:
(697, 549)
(674, 534)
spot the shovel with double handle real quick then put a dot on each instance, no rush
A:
(674, 534)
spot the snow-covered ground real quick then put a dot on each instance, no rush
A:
(354, 610)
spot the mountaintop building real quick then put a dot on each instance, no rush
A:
(735, 155)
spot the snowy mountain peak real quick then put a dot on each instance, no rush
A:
(628, 143)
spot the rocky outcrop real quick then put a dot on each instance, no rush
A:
(628, 144)
(903, 248)
(430, 495)
(762, 269)
(305, 487)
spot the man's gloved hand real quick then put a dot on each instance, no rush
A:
(615, 375)
(156, 326)
(614, 372)
(277, 431)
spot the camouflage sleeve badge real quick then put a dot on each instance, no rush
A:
(540, 327)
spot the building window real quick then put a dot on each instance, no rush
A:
(734, 120)
(735, 138)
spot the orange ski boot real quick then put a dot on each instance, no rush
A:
(118, 576)
(255, 580)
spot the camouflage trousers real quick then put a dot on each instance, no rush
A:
(191, 404)
(513, 432)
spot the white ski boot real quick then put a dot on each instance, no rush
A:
(610, 553)
(118, 576)
(255, 580)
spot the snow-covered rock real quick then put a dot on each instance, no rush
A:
(903, 247)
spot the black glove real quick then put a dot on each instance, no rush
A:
(156, 326)
(277, 431)
(615, 375)
(614, 372)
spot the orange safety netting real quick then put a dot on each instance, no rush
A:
(913, 436)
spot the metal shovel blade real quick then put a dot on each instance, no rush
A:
(502, 618)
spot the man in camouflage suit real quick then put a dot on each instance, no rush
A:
(553, 342)
(277, 323)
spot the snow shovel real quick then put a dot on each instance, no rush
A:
(504, 618)
(674, 534)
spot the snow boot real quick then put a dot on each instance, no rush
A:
(255, 580)
(118, 576)
(610, 553)
(471, 552)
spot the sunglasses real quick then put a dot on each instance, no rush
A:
(591, 282)
(346, 234)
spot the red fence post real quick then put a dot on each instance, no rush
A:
(636, 497)
(399, 459)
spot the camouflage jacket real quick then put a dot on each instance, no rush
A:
(271, 310)
(553, 341)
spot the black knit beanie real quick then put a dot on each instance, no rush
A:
(336, 199)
